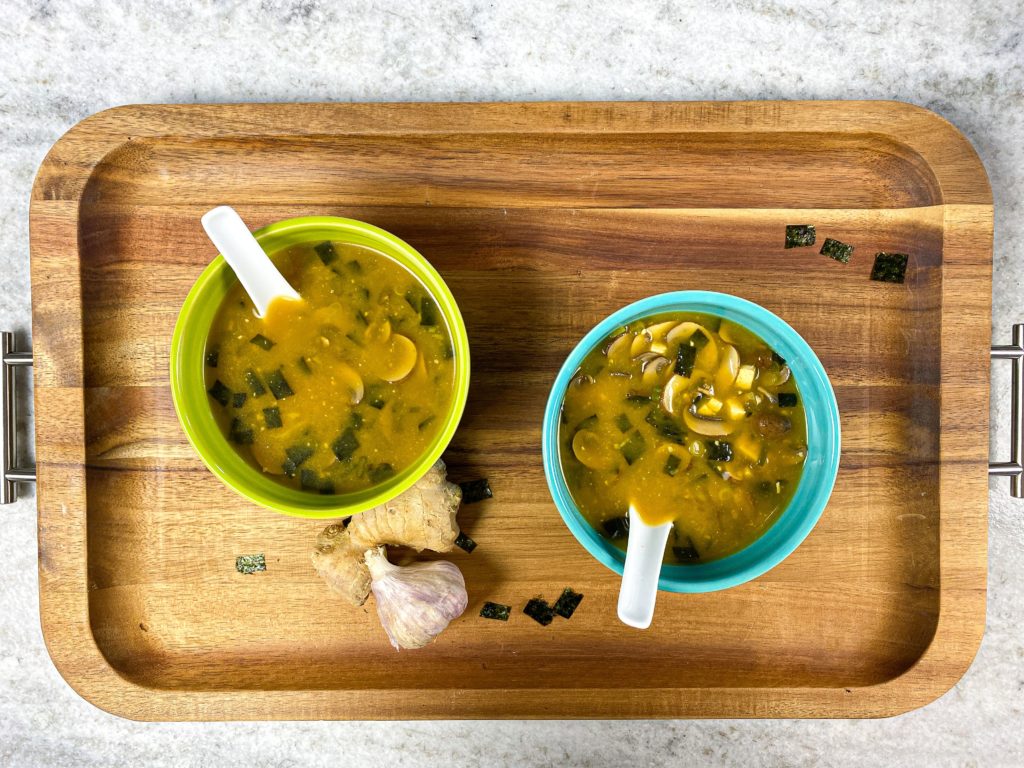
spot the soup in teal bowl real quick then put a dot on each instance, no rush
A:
(711, 409)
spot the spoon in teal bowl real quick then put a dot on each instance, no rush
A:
(644, 553)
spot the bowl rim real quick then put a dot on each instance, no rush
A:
(326, 506)
(808, 502)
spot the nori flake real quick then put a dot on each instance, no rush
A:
(212, 357)
(685, 358)
(381, 472)
(787, 399)
(623, 423)
(375, 398)
(239, 433)
(429, 315)
(686, 552)
(634, 398)
(326, 253)
(567, 603)
(799, 235)
(220, 393)
(255, 385)
(666, 426)
(633, 448)
(249, 564)
(495, 611)
(616, 528)
(889, 267)
(310, 481)
(303, 365)
(464, 542)
(476, 490)
(672, 465)
(295, 456)
(272, 418)
(238, 400)
(836, 250)
(261, 341)
(540, 611)
(587, 423)
(778, 358)
(278, 385)
(346, 445)
(718, 450)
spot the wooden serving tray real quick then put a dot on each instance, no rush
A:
(543, 218)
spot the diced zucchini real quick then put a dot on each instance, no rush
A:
(749, 447)
(220, 393)
(326, 253)
(634, 447)
(734, 409)
(745, 378)
(252, 379)
(272, 418)
(346, 445)
(278, 385)
(261, 341)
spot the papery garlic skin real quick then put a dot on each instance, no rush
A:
(415, 602)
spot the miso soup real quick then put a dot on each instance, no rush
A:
(338, 392)
(692, 419)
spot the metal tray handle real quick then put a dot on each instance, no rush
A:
(1013, 468)
(10, 473)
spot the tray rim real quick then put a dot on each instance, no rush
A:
(63, 589)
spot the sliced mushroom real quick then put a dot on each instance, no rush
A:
(351, 379)
(728, 368)
(683, 331)
(772, 378)
(709, 427)
(592, 451)
(672, 396)
(397, 358)
(653, 370)
(772, 425)
(658, 331)
(639, 345)
(618, 351)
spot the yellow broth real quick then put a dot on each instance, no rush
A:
(341, 390)
(691, 419)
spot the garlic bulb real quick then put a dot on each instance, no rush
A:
(415, 602)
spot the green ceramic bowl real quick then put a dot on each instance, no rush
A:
(188, 387)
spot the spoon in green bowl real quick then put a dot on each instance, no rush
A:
(644, 552)
(243, 253)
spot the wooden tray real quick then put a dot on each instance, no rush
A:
(543, 218)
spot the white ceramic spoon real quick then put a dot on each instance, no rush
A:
(644, 552)
(247, 258)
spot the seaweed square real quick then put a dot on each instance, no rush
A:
(686, 552)
(381, 472)
(220, 393)
(278, 385)
(261, 341)
(567, 603)
(787, 399)
(255, 385)
(272, 418)
(464, 542)
(238, 400)
(495, 611)
(685, 358)
(718, 450)
(623, 423)
(240, 434)
(799, 235)
(326, 253)
(212, 357)
(346, 445)
(889, 267)
(250, 563)
(836, 250)
(476, 490)
(616, 528)
(540, 611)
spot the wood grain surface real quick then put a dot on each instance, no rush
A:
(543, 218)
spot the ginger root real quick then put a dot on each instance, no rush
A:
(422, 517)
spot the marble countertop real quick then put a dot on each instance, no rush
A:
(63, 61)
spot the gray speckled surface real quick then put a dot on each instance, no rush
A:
(62, 61)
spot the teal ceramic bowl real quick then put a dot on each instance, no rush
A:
(820, 467)
(188, 388)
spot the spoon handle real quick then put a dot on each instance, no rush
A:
(644, 553)
(247, 258)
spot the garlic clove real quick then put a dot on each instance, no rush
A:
(415, 602)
